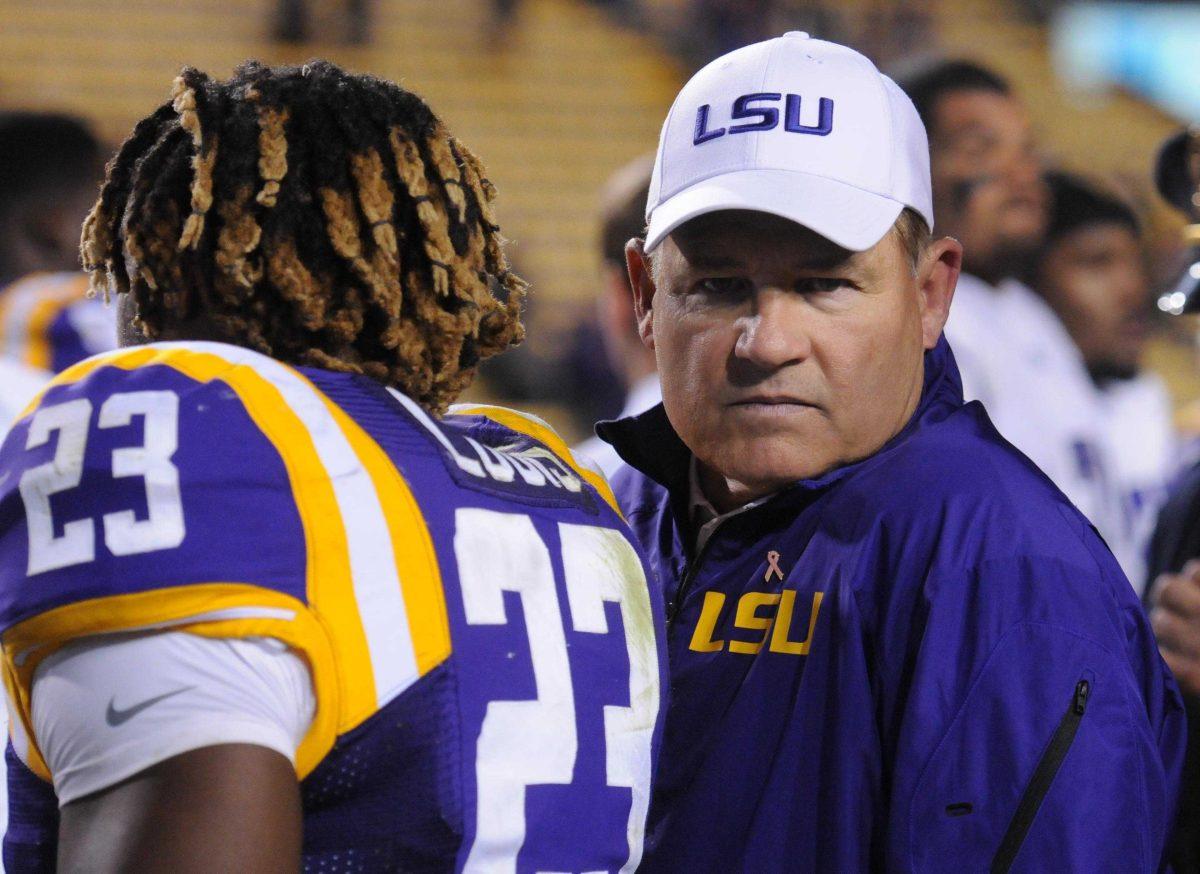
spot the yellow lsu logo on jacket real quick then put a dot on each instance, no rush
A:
(763, 615)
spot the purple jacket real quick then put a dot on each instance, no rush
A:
(924, 661)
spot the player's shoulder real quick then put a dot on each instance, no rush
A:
(172, 464)
(522, 447)
(69, 285)
(158, 451)
(19, 385)
(48, 321)
(211, 487)
(200, 371)
(223, 416)
(517, 424)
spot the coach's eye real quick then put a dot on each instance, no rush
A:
(724, 287)
(822, 284)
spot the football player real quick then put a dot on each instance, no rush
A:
(264, 606)
(49, 168)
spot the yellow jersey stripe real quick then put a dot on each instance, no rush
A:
(28, 307)
(37, 351)
(289, 412)
(233, 610)
(533, 427)
(126, 359)
(373, 577)
(412, 544)
(20, 722)
(373, 590)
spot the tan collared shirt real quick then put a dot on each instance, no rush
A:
(704, 517)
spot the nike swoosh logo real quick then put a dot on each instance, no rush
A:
(115, 717)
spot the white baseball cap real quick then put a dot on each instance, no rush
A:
(798, 127)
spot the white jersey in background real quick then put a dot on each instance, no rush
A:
(19, 384)
(1108, 450)
(1144, 452)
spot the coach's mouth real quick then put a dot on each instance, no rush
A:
(771, 404)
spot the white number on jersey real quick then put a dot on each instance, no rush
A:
(63, 472)
(600, 566)
(526, 743)
(124, 534)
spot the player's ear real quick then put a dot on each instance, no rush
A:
(127, 332)
(937, 275)
(641, 282)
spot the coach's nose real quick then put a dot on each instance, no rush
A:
(774, 333)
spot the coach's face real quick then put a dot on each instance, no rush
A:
(783, 356)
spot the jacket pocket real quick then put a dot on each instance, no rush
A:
(1043, 777)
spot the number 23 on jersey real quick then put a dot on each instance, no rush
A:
(124, 533)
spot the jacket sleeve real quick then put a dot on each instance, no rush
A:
(1041, 731)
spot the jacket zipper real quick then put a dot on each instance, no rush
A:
(1040, 782)
(689, 575)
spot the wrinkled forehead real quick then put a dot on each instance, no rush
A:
(747, 238)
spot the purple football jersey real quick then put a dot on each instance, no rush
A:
(484, 642)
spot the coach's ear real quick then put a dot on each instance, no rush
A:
(937, 277)
(641, 281)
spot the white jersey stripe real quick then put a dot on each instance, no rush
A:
(377, 591)
(24, 296)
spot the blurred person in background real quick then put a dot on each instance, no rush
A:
(50, 168)
(50, 165)
(989, 195)
(563, 370)
(1173, 592)
(623, 217)
(1092, 272)
(1013, 351)
(19, 385)
(711, 28)
(293, 21)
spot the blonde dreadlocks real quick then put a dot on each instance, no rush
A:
(322, 218)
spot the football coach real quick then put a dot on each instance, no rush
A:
(894, 644)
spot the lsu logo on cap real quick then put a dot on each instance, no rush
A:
(791, 93)
(767, 117)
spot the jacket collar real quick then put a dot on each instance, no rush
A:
(649, 443)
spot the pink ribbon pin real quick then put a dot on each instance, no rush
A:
(772, 566)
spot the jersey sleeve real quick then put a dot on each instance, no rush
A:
(48, 322)
(538, 429)
(85, 328)
(107, 708)
(170, 486)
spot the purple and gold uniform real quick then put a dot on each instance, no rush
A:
(47, 321)
(482, 642)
